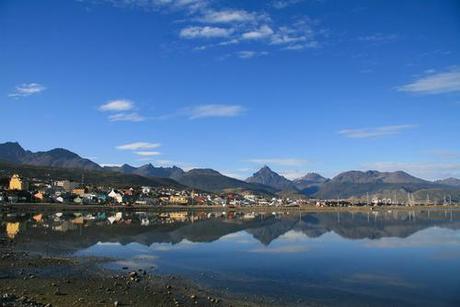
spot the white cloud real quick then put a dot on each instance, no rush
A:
(205, 32)
(427, 170)
(378, 38)
(190, 6)
(213, 110)
(228, 16)
(247, 54)
(300, 32)
(27, 89)
(262, 32)
(111, 165)
(147, 153)
(279, 161)
(375, 132)
(241, 25)
(126, 117)
(435, 83)
(292, 174)
(117, 106)
(281, 4)
(138, 146)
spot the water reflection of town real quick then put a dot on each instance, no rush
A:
(195, 226)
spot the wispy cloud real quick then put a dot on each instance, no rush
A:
(375, 132)
(205, 32)
(228, 16)
(435, 83)
(27, 89)
(126, 117)
(248, 54)
(279, 161)
(378, 38)
(427, 170)
(281, 4)
(138, 146)
(111, 164)
(147, 153)
(190, 6)
(227, 26)
(117, 105)
(121, 106)
(292, 174)
(262, 32)
(213, 110)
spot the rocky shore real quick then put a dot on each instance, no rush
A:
(34, 280)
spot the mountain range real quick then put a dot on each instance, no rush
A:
(350, 184)
(58, 157)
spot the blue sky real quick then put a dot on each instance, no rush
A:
(313, 85)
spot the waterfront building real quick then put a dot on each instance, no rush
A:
(66, 185)
(40, 196)
(117, 196)
(79, 191)
(18, 184)
(179, 199)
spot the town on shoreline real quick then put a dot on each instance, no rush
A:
(32, 192)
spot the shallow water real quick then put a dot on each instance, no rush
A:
(333, 258)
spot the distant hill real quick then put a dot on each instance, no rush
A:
(148, 170)
(454, 182)
(14, 153)
(213, 181)
(270, 178)
(310, 183)
(97, 178)
(377, 177)
(385, 184)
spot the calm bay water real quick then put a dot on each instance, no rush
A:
(334, 258)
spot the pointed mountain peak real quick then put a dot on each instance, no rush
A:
(270, 178)
(265, 169)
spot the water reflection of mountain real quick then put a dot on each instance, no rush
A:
(348, 225)
(57, 234)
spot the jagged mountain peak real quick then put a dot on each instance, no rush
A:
(268, 177)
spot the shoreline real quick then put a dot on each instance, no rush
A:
(168, 208)
(45, 281)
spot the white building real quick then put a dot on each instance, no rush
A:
(118, 197)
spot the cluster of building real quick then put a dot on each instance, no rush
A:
(16, 189)
(20, 190)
